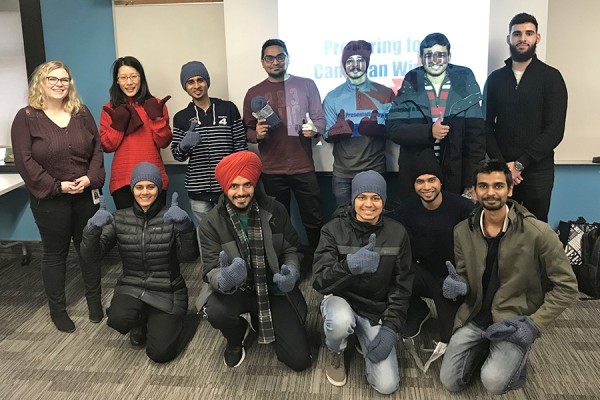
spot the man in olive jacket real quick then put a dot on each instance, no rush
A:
(251, 265)
(503, 257)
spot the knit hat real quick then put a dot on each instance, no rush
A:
(145, 171)
(426, 163)
(243, 163)
(369, 182)
(357, 47)
(193, 68)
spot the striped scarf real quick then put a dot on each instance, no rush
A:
(253, 250)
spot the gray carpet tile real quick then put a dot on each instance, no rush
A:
(96, 362)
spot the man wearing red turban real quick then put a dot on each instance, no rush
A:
(251, 265)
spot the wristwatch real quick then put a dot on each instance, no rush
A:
(518, 166)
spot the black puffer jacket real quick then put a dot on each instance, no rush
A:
(383, 295)
(150, 251)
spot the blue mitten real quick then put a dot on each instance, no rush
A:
(191, 138)
(176, 216)
(453, 286)
(365, 260)
(518, 330)
(381, 346)
(101, 218)
(232, 274)
(286, 279)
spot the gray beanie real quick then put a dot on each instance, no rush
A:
(193, 68)
(146, 171)
(369, 182)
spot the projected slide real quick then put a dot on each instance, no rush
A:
(395, 30)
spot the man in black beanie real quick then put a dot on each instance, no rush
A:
(355, 113)
(204, 132)
(430, 219)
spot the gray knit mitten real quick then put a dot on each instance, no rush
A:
(286, 279)
(191, 138)
(232, 274)
(365, 260)
(453, 286)
(101, 218)
(518, 330)
(381, 346)
(177, 216)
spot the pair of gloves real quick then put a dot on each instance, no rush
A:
(234, 273)
(174, 215)
(127, 120)
(343, 127)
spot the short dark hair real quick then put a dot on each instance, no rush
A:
(523, 18)
(273, 42)
(432, 39)
(117, 97)
(493, 165)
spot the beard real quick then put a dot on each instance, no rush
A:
(499, 204)
(277, 75)
(517, 56)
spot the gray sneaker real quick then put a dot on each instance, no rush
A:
(335, 369)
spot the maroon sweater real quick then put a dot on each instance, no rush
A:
(45, 152)
(284, 150)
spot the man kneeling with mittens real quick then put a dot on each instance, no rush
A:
(504, 256)
(249, 248)
(363, 267)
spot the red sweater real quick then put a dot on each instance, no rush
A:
(141, 145)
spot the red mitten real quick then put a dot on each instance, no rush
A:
(370, 127)
(120, 117)
(135, 122)
(341, 129)
(154, 108)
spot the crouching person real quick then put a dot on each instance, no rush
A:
(503, 257)
(363, 267)
(249, 249)
(150, 299)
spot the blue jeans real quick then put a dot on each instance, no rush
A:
(342, 190)
(502, 361)
(339, 322)
(199, 210)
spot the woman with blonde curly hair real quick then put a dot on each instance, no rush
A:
(59, 156)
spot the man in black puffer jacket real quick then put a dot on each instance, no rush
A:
(151, 295)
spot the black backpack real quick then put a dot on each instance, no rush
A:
(588, 272)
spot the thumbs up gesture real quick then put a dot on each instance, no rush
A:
(192, 138)
(365, 260)
(370, 126)
(154, 108)
(176, 216)
(120, 117)
(439, 130)
(308, 127)
(232, 274)
(453, 286)
(101, 218)
(342, 128)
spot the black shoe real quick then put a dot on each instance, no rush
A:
(417, 316)
(95, 312)
(62, 321)
(234, 355)
(137, 337)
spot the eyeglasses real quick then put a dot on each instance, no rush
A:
(124, 78)
(53, 81)
(437, 57)
(271, 59)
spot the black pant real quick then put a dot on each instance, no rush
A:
(291, 342)
(308, 196)
(162, 330)
(123, 197)
(535, 192)
(426, 284)
(62, 219)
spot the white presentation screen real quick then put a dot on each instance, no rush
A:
(316, 31)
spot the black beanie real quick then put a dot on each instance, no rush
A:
(426, 163)
(357, 47)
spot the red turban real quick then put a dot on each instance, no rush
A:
(243, 163)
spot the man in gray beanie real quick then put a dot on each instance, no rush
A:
(430, 218)
(204, 132)
(355, 113)
(363, 267)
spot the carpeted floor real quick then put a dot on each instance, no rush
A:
(96, 362)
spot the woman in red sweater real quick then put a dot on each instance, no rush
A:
(58, 153)
(135, 126)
